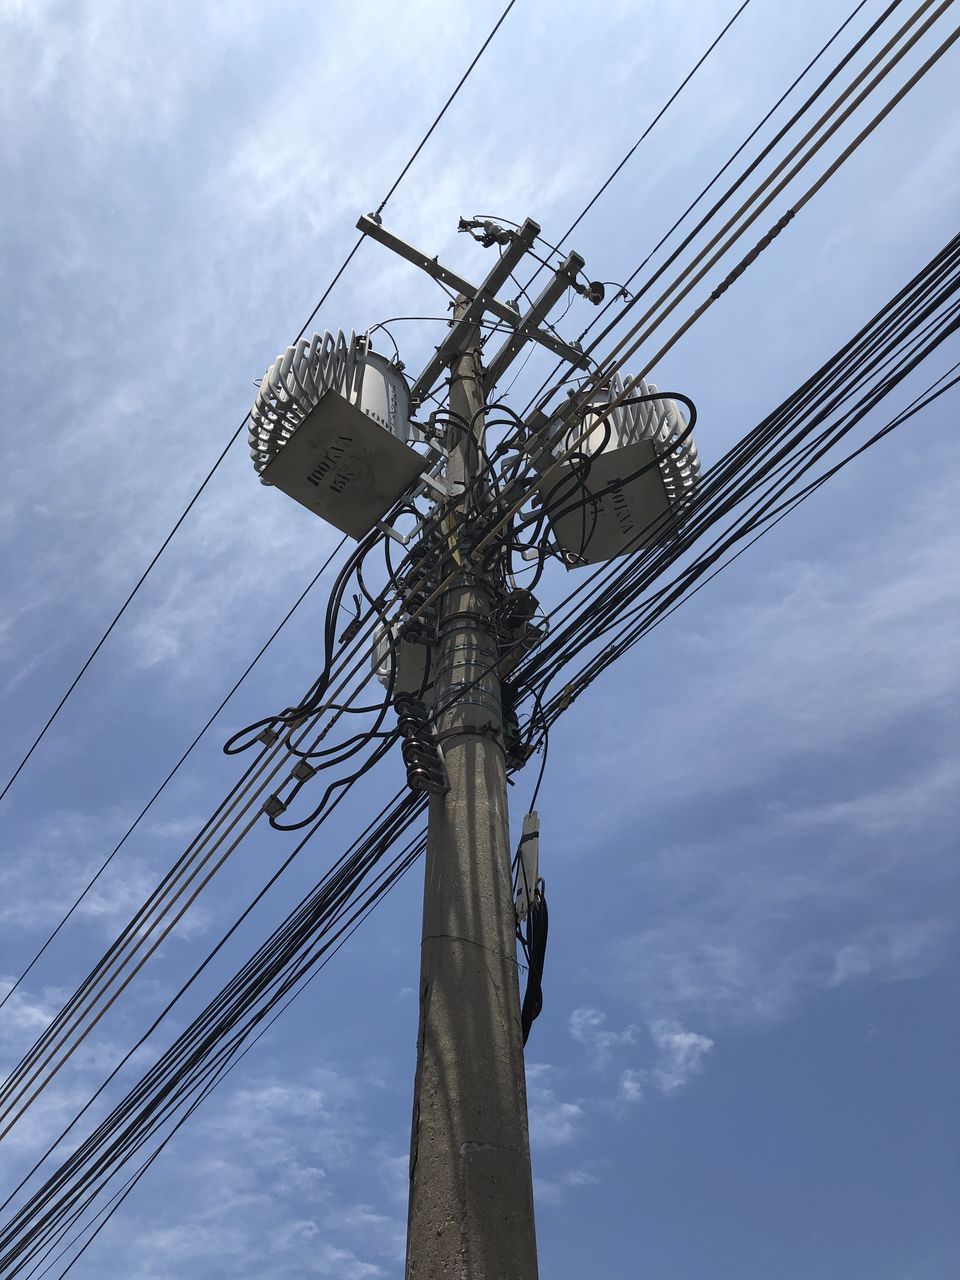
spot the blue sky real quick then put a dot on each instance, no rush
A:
(747, 1058)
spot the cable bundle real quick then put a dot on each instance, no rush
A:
(204, 1051)
(758, 479)
(754, 485)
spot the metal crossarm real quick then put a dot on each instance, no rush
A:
(529, 326)
(483, 299)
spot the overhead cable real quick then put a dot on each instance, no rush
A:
(238, 430)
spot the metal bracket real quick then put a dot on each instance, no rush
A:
(403, 538)
(445, 488)
(529, 326)
(483, 298)
(461, 333)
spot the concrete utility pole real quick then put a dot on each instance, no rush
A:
(471, 1192)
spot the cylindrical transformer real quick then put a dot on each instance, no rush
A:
(643, 469)
(659, 421)
(296, 380)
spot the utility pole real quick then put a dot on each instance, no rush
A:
(471, 1192)
(331, 428)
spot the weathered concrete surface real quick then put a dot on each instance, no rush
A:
(471, 1194)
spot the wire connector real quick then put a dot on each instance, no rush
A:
(274, 806)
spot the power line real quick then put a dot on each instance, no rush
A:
(627, 346)
(624, 291)
(271, 973)
(236, 433)
(786, 443)
(654, 122)
(623, 591)
(902, 334)
(170, 776)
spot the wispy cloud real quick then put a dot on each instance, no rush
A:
(681, 1055)
(553, 1122)
(893, 953)
(666, 1056)
(588, 1027)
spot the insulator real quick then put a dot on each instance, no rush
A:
(418, 752)
(415, 708)
(424, 780)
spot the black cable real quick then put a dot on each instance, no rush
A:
(121, 611)
(186, 511)
(394, 815)
(653, 123)
(156, 795)
(912, 305)
(539, 394)
(863, 406)
(443, 110)
(535, 949)
(896, 359)
(117, 1200)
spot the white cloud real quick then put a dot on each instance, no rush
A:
(281, 1173)
(552, 1191)
(553, 1122)
(681, 1055)
(893, 953)
(587, 1026)
(631, 1086)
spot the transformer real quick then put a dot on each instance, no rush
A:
(631, 475)
(330, 426)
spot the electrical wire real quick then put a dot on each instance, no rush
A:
(751, 168)
(885, 349)
(633, 340)
(238, 430)
(668, 598)
(170, 776)
(864, 371)
(647, 130)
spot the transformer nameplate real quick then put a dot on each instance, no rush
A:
(343, 466)
(591, 529)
